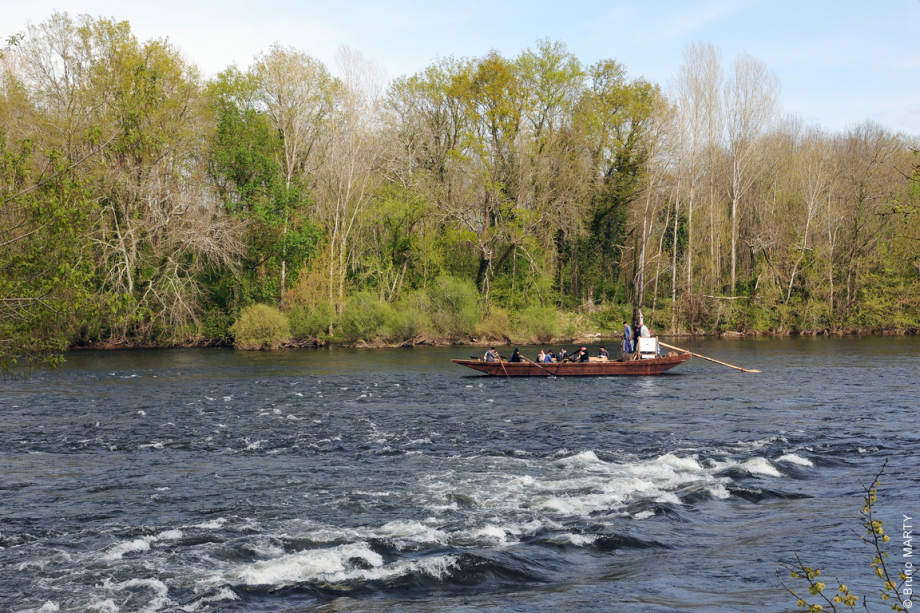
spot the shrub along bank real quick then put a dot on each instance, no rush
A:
(449, 311)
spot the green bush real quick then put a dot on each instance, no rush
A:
(454, 306)
(216, 325)
(366, 318)
(260, 327)
(611, 318)
(537, 324)
(309, 322)
(495, 327)
(412, 318)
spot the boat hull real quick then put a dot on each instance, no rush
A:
(612, 368)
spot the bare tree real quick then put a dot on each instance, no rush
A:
(814, 177)
(658, 133)
(354, 151)
(697, 90)
(751, 99)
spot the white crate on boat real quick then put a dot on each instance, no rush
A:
(648, 348)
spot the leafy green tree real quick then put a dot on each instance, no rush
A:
(46, 268)
(613, 113)
(254, 188)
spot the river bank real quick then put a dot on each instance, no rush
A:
(424, 341)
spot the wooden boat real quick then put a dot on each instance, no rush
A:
(628, 366)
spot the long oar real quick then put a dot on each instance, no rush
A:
(476, 357)
(538, 366)
(501, 360)
(705, 358)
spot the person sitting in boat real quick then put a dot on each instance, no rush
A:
(491, 355)
(563, 355)
(549, 358)
(603, 354)
(516, 356)
(627, 338)
(583, 354)
(541, 357)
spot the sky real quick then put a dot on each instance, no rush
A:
(840, 63)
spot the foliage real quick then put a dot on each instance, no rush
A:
(216, 325)
(167, 202)
(366, 318)
(310, 321)
(495, 327)
(260, 327)
(45, 268)
(454, 306)
(413, 318)
(537, 324)
(611, 317)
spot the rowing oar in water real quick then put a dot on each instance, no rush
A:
(705, 358)
(500, 360)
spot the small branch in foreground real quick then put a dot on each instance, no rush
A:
(844, 598)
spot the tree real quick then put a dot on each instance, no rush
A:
(697, 92)
(46, 269)
(297, 93)
(348, 179)
(751, 103)
(660, 128)
(814, 177)
(613, 113)
(156, 228)
(246, 163)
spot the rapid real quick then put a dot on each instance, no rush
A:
(392, 480)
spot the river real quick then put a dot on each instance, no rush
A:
(393, 480)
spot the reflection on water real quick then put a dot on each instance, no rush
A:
(215, 480)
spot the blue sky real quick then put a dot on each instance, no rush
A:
(840, 63)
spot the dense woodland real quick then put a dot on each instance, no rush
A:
(145, 204)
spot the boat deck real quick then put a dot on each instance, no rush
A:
(655, 366)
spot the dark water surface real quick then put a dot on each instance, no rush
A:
(392, 480)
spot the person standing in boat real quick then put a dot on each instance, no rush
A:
(643, 331)
(491, 355)
(516, 356)
(627, 338)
